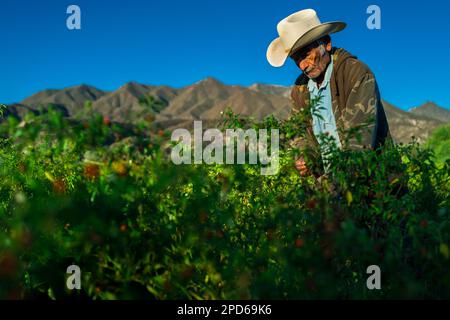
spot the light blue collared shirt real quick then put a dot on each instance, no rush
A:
(326, 125)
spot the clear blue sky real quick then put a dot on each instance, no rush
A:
(178, 42)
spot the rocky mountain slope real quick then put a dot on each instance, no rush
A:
(204, 100)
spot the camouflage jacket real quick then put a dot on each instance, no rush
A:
(356, 105)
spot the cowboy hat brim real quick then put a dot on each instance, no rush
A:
(277, 54)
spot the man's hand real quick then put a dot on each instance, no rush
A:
(300, 165)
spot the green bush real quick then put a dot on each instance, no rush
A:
(141, 227)
(439, 142)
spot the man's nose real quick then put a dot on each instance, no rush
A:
(303, 64)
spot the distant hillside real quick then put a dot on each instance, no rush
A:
(207, 98)
(204, 100)
(271, 89)
(431, 110)
(72, 99)
(404, 125)
(128, 103)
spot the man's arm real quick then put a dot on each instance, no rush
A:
(306, 143)
(364, 113)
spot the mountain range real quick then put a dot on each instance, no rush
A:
(204, 100)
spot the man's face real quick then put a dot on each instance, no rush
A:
(311, 60)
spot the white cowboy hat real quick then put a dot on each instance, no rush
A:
(296, 31)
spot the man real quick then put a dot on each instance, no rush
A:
(340, 91)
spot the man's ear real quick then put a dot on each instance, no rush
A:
(328, 46)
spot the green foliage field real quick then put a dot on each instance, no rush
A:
(109, 200)
(439, 142)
